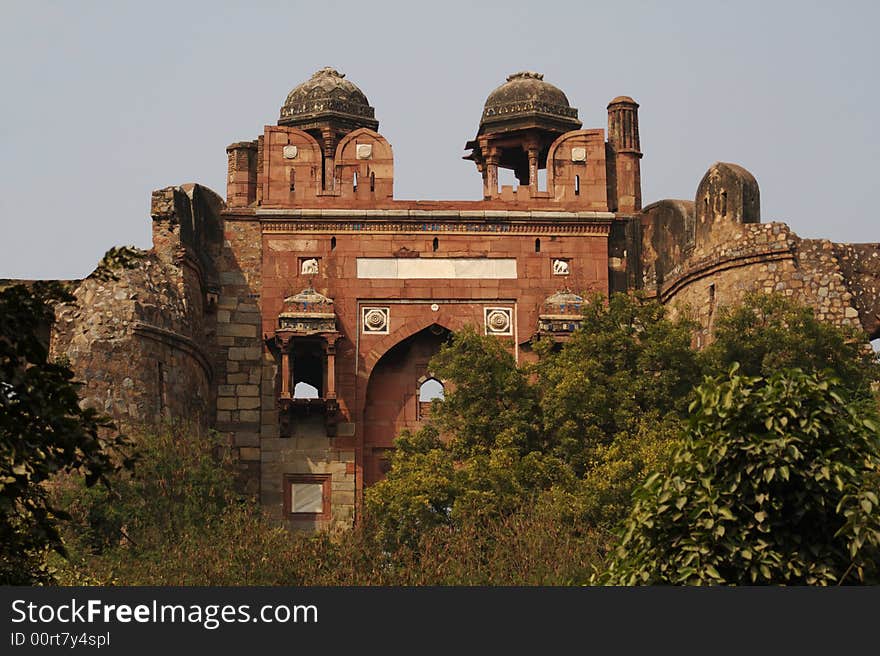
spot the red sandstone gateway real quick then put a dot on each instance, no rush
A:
(299, 316)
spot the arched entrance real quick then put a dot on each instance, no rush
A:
(392, 400)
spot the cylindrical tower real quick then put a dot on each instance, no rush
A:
(624, 170)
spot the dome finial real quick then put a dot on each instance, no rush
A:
(523, 75)
(328, 71)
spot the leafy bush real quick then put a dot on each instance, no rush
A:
(43, 432)
(776, 482)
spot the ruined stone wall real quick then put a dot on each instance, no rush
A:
(140, 334)
(130, 341)
(860, 266)
(758, 257)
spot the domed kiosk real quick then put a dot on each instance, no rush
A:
(521, 119)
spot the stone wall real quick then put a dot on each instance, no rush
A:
(131, 342)
(860, 266)
(758, 257)
(139, 334)
(238, 358)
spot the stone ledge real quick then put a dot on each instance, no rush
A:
(715, 265)
(178, 341)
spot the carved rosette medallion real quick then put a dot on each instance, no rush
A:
(499, 321)
(375, 320)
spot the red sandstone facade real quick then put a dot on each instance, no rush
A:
(310, 207)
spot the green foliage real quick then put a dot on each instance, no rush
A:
(604, 496)
(218, 538)
(183, 483)
(775, 483)
(116, 259)
(491, 397)
(605, 405)
(43, 432)
(628, 361)
(769, 332)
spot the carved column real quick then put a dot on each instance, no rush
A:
(330, 351)
(286, 366)
(329, 159)
(533, 170)
(492, 176)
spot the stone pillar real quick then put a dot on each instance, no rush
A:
(533, 170)
(330, 351)
(329, 140)
(491, 176)
(286, 367)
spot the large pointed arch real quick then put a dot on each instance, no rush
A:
(408, 329)
(392, 402)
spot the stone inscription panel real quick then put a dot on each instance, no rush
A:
(461, 268)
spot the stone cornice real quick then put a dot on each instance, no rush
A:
(176, 340)
(712, 266)
(435, 221)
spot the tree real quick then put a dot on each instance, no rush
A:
(769, 332)
(628, 366)
(43, 431)
(776, 483)
(490, 459)
(606, 404)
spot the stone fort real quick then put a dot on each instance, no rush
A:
(298, 316)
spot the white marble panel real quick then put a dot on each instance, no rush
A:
(436, 268)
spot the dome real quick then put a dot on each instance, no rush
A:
(623, 100)
(527, 94)
(327, 94)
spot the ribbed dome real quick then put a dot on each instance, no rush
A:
(327, 94)
(526, 93)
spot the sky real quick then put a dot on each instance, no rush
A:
(102, 102)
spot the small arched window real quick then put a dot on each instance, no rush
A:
(292, 179)
(577, 185)
(354, 185)
(436, 244)
(538, 245)
(372, 181)
(429, 391)
(332, 243)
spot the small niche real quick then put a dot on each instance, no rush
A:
(332, 243)
(372, 181)
(354, 180)
(577, 185)
(538, 245)
(435, 244)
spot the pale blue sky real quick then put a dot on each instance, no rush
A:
(105, 101)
